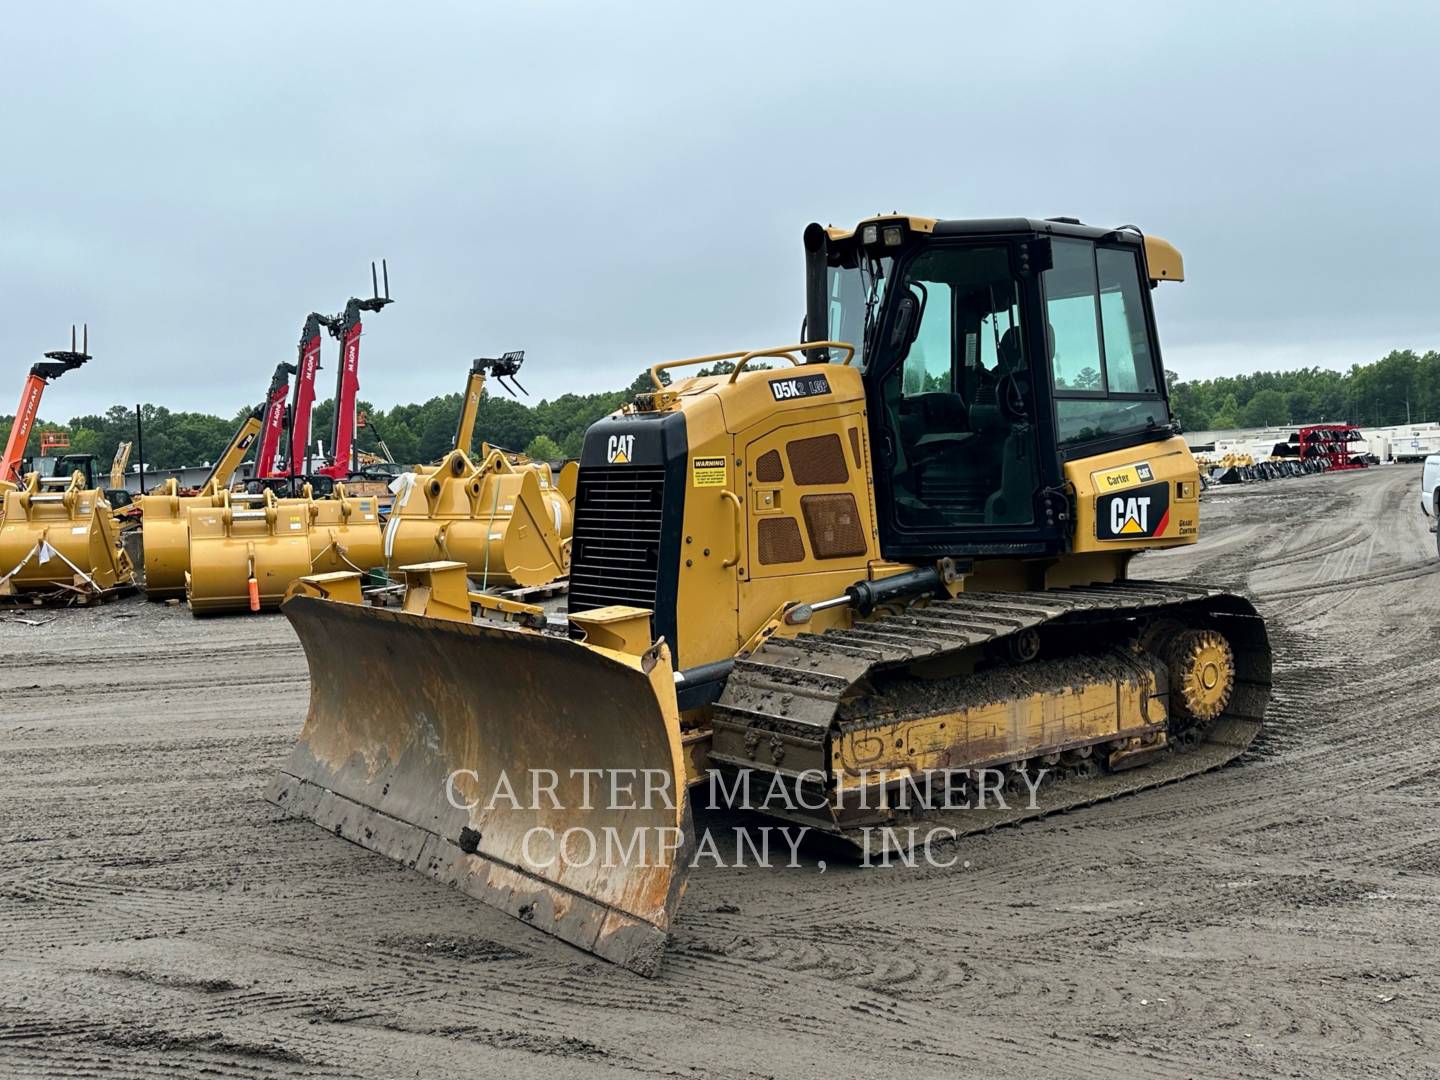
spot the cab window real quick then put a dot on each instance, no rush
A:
(1102, 362)
(929, 364)
(1129, 366)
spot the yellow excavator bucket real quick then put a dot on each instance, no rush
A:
(55, 538)
(345, 533)
(507, 522)
(165, 537)
(165, 515)
(244, 557)
(538, 774)
(245, 551)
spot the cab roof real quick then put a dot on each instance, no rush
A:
(1164, 260)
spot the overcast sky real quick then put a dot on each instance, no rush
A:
(608, 185)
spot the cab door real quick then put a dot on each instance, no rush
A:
(961, 464)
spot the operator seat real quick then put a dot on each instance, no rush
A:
(1013, 498)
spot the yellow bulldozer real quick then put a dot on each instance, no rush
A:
(902, 554)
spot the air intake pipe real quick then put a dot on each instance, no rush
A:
(817, 291)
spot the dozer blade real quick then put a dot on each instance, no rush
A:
(484, 756)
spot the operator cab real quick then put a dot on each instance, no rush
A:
(992, 352)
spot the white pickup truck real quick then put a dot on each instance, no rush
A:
(1430, 493)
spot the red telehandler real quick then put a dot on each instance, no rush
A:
(59, 362)
(294, 464)
(269, 461)
(347, 328)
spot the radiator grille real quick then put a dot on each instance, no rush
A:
(833, 523)
(818, 460)
(615, 552)
(768, 469)
(780, 541)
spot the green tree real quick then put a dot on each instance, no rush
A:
(1265, 409)
(544, 448)
(1228, 414)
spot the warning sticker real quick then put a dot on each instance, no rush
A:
(708, 472)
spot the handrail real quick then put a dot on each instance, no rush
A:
(785, 351)
(745, 356)
(739, 517)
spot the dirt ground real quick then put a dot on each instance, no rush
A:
(1280, 917)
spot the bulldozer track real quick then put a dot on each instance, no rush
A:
(797, 685)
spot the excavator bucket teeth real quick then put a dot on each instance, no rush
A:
(537, 774)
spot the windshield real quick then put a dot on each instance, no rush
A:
(855, 293)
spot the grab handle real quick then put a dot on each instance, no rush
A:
(739, 516)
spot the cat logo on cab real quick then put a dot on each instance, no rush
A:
(620, 449)
(1139, 513)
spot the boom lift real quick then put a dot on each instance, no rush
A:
(504, 367)
(835, 586)
(311, 342)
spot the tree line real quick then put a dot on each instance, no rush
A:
(547, 430)
(1396, 389)
(1401, 386)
